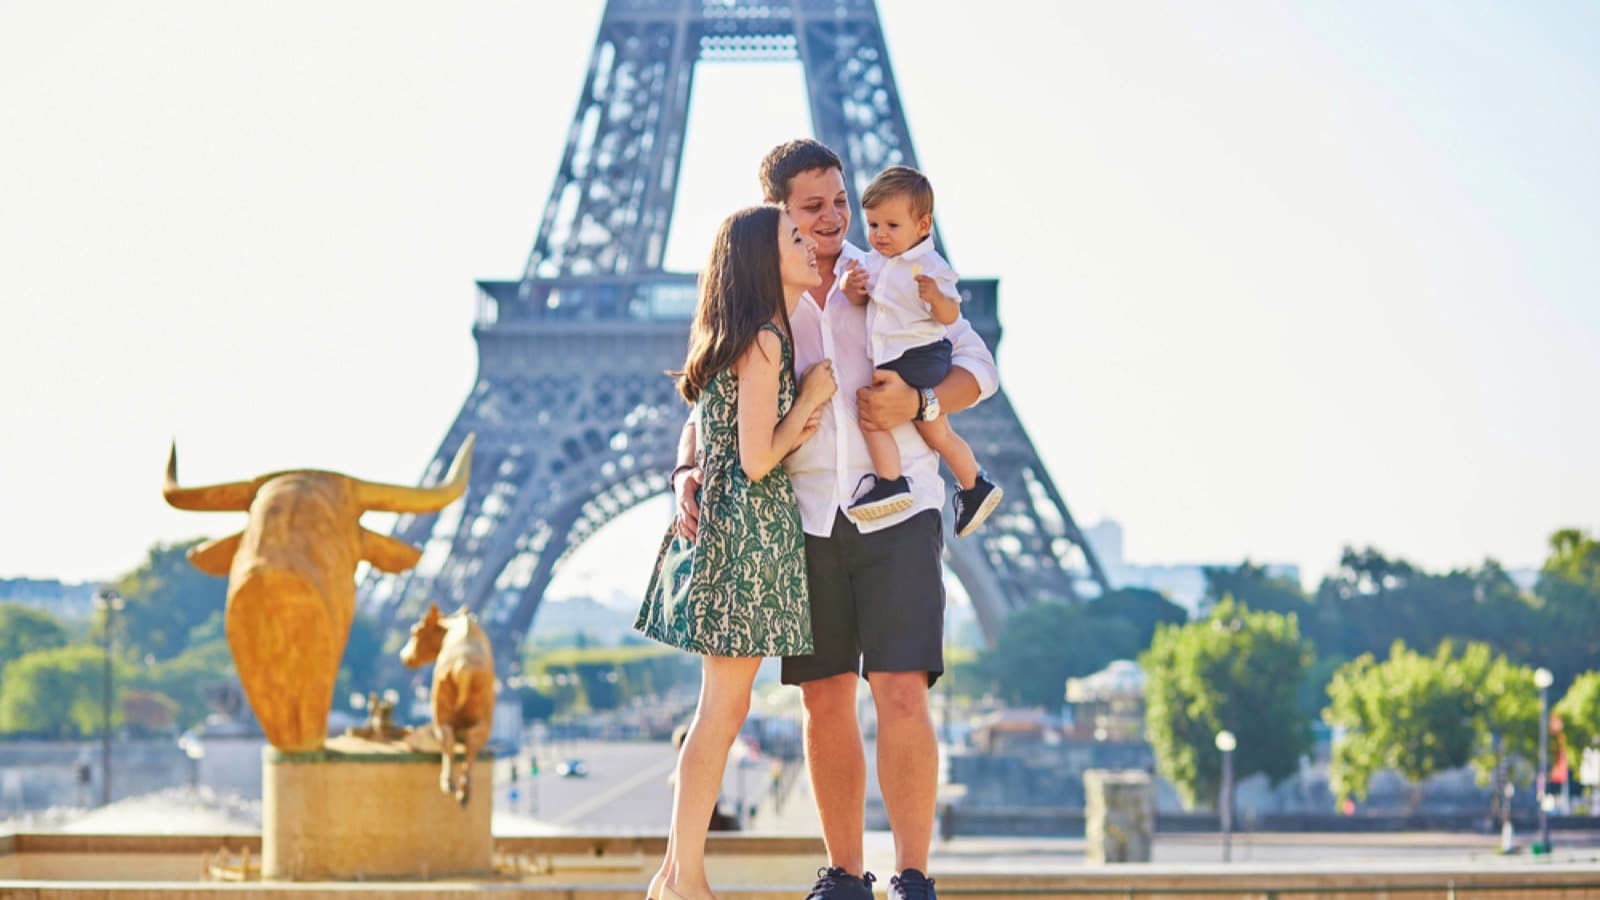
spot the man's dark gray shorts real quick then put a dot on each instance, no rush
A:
(877, 600)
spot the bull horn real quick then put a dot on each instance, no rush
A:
(401, 499)
(233, 496)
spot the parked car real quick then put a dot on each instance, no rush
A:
(572, 768)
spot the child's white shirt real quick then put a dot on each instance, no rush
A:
(897, 317)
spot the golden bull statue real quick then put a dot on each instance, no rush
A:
(291, 579)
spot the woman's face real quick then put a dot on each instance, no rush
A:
(797, 257)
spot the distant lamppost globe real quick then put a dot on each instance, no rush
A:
(1226, 742)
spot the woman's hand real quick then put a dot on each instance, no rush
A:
(817, 386)
(812, 422)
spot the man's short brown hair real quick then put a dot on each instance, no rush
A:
(787, 160)
(900, 181)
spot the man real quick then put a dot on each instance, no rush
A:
(876, 587)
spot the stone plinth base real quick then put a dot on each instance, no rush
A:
(364, 810)
(1119, 816)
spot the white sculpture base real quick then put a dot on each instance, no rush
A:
(366, 810)
(1119, 816)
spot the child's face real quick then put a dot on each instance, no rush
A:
(892, 228)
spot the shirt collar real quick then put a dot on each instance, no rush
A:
(923, 248)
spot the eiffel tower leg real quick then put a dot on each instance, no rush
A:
(559, 455)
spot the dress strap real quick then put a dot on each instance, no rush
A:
(783, 339)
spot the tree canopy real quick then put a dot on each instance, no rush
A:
(1238, 670)
(165, 599)
(1413, 713)
(1042, 646)
(24, 630)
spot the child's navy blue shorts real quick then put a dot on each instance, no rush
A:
(925, 366)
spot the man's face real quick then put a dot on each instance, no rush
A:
(818, 204)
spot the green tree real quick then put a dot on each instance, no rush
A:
(1372, 600)
(1144, 609)
(1042, 646)
(1256, 588)
(576, 679)
(24, 630)
(185, 678)
(1237, 670)
(1580, 713)
(56, 693)
(1507, 709)
(1569, 596)
(1412, 713)
(358, 671)
(166, 598)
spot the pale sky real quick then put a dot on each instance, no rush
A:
(1275, 277)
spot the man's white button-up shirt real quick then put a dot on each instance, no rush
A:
(826, 468)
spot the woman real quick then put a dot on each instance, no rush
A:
(737, 593)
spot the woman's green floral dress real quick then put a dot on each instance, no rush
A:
(739, 589)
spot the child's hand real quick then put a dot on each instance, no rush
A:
(928, 290)
(855, 283)
(817, 386)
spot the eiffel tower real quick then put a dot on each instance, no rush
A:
(575, 421)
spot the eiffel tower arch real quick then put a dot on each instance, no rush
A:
(576, 422)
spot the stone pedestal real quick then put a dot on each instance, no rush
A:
(368, 810)
(1119, 816)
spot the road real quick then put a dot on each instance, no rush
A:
(626, 789)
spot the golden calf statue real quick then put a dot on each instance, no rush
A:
(463, 688)
(291, 579)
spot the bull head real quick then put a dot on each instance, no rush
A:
(291, 578)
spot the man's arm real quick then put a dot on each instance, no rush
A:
(973, 377)
(686, 481)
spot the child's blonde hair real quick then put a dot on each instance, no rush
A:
(900, 181)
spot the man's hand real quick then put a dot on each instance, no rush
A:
(686, 487)
(855, 285)
(888, 402)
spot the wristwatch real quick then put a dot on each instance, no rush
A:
(927, 405)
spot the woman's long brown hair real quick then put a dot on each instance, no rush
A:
(740, 290)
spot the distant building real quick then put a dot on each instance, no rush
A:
(1105, 537)
(1182, 583)
(1108, 705)
(60, 599)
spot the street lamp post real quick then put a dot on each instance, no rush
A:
(111, 602)
(1226, 743)
(1542, 679)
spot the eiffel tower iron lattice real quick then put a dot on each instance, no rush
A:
(565, 445)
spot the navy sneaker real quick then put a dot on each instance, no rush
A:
(834, 883)
(975, 503)
(886, 497)
(911, 885)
